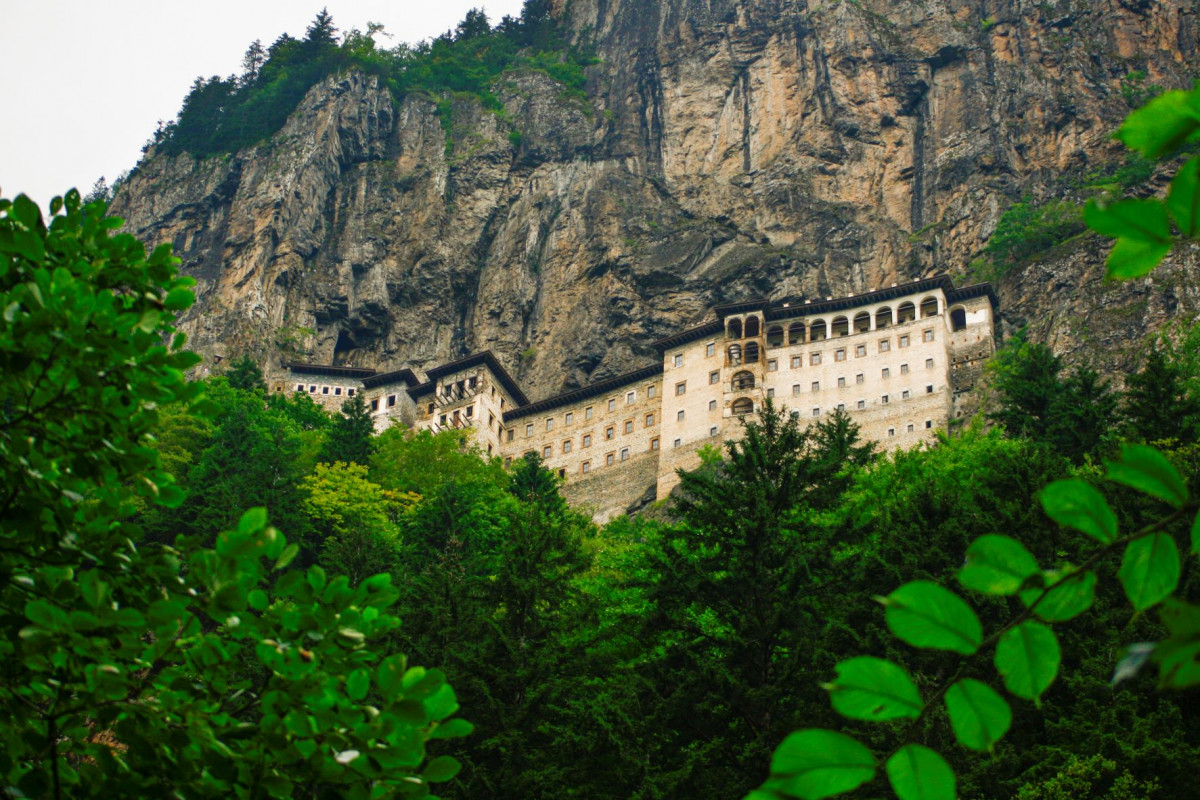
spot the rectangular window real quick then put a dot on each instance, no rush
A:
(312, 390)
(839, 355)
(861, 404)
(797, 362)
(841, 406)
(430, 408)
(585, 468)
(712, 405)
(624, 453)
(470, 411)
(508, 461)
(904, 395)
(587, 440)
(891, 431)
(529, 429)
(650, 391)
(608, 459)
(885, 345)
(929, 363)
(612, 404)
(887, 373)
(677, 442)
(816, 412)
(569, 418)
(550, 424)
(587, 413)
(511, 432)
(927, 335)
(654, 443)
(904, 340)
(547, 451)
(680, 388)
(771, 391)
(608, 432)
(649, 420)
(567, 446)
(350, 392)
(324, 390)
(929, 389)
(712, 431)
(492, 420)
(443, 416)
(773, 365)
(795, 389)
(928, 424)
(858, 378)
(630, 397)
(299, 387)
(816, 386)
(710, 349)
(841, 383)
(629, 426)
(860, 350)
(814, 359)
(679, 415)
(338, 391)
(910, 427)
(904, 369)
(678, 359)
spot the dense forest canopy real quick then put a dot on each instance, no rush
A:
(223, 115)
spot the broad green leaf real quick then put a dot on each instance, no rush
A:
(441, 769)
(873, 689)
(1027, 657)
(1181, 619)
(452, 729)
(1068, 596)
(1149, 570)
(1130, 258)
(1077, 505)
(1162, 125)
(1183, 199)
(918, 773)
(286, 557)
(1196, 535)
(178, 299)
(252, 521)
(812, 764)
(1133, 219)
(358, 684)
(1147, 470)
(978, 715)
(1178, 664)
(390, 674)
(996, 565)
(925, 614)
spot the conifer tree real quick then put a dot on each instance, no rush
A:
(351, 437)
(1157, 404)
(244, 374)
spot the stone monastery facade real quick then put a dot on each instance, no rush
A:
(902, 361)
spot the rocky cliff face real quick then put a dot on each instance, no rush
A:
(728, 148)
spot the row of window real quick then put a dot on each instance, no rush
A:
(750, 355)
(337, 390)
(839, 326)
(588, 412)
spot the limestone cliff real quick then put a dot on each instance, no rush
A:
(727, 149)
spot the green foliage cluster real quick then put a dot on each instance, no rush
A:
(223, 115)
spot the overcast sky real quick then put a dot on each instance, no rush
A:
(86, 82)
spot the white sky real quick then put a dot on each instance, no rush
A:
(86, 82)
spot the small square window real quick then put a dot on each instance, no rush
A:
(887, 373)
(712, 405)
(714, 377)
(816, 386)
(773, 365)
(679, 359)
(649, 420)
(712, 431)
(797, 362)
(569, 418)
(547, 451)
(443, 419)
(841, 383)
(795, 389)
(587, 440)
(608, 432)
(567, 446)
(929, 363)
(299, 387)
(585, 468)
(891, 431)
(770, 391)
(910, 427)
(884, 400)
(885, 345)
(654, 443)
(929, 389)
(927, 335)
(679, 415)
(904, 369)
(624, 453)
(928, 424)
(350, 392)
(324, 390)
(841, 406)
(677, 442)
(814, 359)
(608, 459)
(550, 424)
(508, 461)
(710, 349)
(904, 340)
(312, 390)
(470, 411)
(860, 350)
(587, 413)
(529, 429)
(839, 355)
(430, 408)
(630, 397)
(375, 407)
(861, 404)
(338, 391)
(650, 391)
(816, 412)
(629, 426)
(680, 388)
(858, 378)
(511, 433)
(612, 404)
(904, 395)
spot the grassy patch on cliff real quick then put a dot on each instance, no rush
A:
(223, 115)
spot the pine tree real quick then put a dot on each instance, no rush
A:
(1157, 404)
(351, 437)
(252, 62)
(245, 374)
(1026, 375)
(321, 31)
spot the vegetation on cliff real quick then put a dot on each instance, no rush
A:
(223, 115)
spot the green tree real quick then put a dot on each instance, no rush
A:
(351, 436)
(1158, 403)
(245, 374)
(353, 519)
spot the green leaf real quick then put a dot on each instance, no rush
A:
(252, 521)
(1178, 664)
(1162, 125)
(1183, 199)
(1147, 470)
(1027, 657)
(258, 600)
(1196, 535)
(873, 689)
(1149, 570)
(918, 773)
(813, 763)
(358, 684)
(1068, 596)
(289, 553)
(452, 729)
(1133, 219)
(390, 673)
(1130, 258)
(1077, 505)
(978, 715)
(997, 565)
(441, 769)
(178, 299)
(925, 614)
